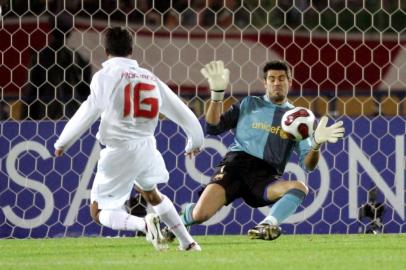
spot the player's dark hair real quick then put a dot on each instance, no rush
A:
(118, 42)
(277, 65)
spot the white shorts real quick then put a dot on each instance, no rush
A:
(120, 167)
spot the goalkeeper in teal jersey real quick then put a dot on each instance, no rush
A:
(256, 160)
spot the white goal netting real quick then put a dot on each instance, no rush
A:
(348, 60)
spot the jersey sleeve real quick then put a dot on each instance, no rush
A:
(173, 108)
(88, 112)
(302, 148)
(228, 120)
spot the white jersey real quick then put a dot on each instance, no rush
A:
(129, 99)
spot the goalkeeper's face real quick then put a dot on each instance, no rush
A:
(277, 85)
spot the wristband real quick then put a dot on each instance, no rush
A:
(315, 145)
(217, 95)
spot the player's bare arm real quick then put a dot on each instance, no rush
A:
(214, 112)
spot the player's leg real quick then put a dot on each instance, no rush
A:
(116, 219)
(224, 187)
(119, 219)
(114, 181)
(288, 196)
(211, 200)
(165, 209)
(111, 188)
(153, 172)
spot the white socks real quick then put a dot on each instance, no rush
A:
(167, 213)
(119, 219)
(271, 220)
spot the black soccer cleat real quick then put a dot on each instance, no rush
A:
(265, 232)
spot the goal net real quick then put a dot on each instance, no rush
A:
(348, 60)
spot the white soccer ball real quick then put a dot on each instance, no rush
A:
(299, 123)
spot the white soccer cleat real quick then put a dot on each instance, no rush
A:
(154, 235)
(194, 246)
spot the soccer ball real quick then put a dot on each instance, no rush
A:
(299, 123)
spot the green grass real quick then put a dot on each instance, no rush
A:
(219, 252)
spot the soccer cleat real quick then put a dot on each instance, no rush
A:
(194, 246)
(168, 235)
(265, 232)
(154, 235)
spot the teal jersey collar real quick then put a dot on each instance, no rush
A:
(284, 105)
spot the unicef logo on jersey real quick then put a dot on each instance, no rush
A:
(277, 130)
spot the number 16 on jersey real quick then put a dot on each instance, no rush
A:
(148, 111)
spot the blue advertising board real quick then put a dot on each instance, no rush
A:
(41, 196)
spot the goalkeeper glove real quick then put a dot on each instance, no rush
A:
(218, 78)
(323, 133)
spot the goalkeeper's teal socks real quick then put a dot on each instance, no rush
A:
(186, 215)
(285, 207)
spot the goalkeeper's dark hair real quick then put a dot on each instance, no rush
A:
(118, 42)
(277, 65)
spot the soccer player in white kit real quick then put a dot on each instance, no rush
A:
(129, 99)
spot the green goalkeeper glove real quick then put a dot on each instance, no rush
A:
(323, 133)
(218, 78)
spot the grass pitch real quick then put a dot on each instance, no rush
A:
(219, 252)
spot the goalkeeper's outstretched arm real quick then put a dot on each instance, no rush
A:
(218, 78)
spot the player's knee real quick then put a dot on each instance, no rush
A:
(152, 197)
